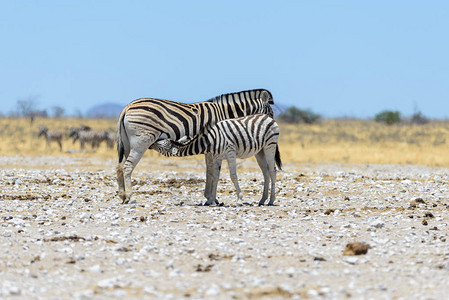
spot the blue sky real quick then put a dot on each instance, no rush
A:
(338, 58)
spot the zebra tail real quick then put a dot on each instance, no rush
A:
(277, 157)
(119, 132)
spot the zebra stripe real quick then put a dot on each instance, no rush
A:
(230, 139)
(144, 121)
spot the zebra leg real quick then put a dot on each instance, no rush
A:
(207, 189)
(261, 160)
(128, 167)
(209, 168)
(270, 158)
(215, 175)
(232, 164)
(121, 182)
(60, 145)
(138, 146)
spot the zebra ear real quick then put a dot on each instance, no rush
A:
(267, 97)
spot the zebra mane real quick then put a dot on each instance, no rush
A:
(218, 98)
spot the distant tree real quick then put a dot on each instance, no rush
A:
(58, 111)
(296, 115)
(418, 118)
(27, 107)
(388, 117)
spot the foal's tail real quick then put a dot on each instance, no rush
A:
(277, 157)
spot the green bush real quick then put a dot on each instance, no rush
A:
(388, 117)
(296, 115)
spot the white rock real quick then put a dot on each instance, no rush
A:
(351, 260)
(96, 269)
(213, 291)
(107, 283)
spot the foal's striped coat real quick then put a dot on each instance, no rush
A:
(230, 139)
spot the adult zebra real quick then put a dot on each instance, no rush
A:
(255, 135)
(146, 120)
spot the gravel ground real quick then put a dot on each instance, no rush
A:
(64, 233)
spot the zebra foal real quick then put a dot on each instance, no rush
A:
(230, 139)
(147, 120)
(51, 135)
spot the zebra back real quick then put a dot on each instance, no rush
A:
(184, 119)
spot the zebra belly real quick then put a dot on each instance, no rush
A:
(246, 153)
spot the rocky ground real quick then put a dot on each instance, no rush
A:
(64, 233)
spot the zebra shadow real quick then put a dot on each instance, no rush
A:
(222, 204)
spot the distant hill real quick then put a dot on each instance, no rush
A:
(106, 110)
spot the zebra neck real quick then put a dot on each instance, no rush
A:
(239, 104)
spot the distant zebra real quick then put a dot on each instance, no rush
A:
(51, 135)
(107, 137)
(146, 120)
(230, 139)
(85, 136)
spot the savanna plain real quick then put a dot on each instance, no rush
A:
(65, 235)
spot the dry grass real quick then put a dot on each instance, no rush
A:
(345, 141)
(20, 137)
(358, 141)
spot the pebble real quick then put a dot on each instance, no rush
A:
(351, 260)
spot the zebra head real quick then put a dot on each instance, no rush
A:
(42, 131)
(267, 100)
(165, 147)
